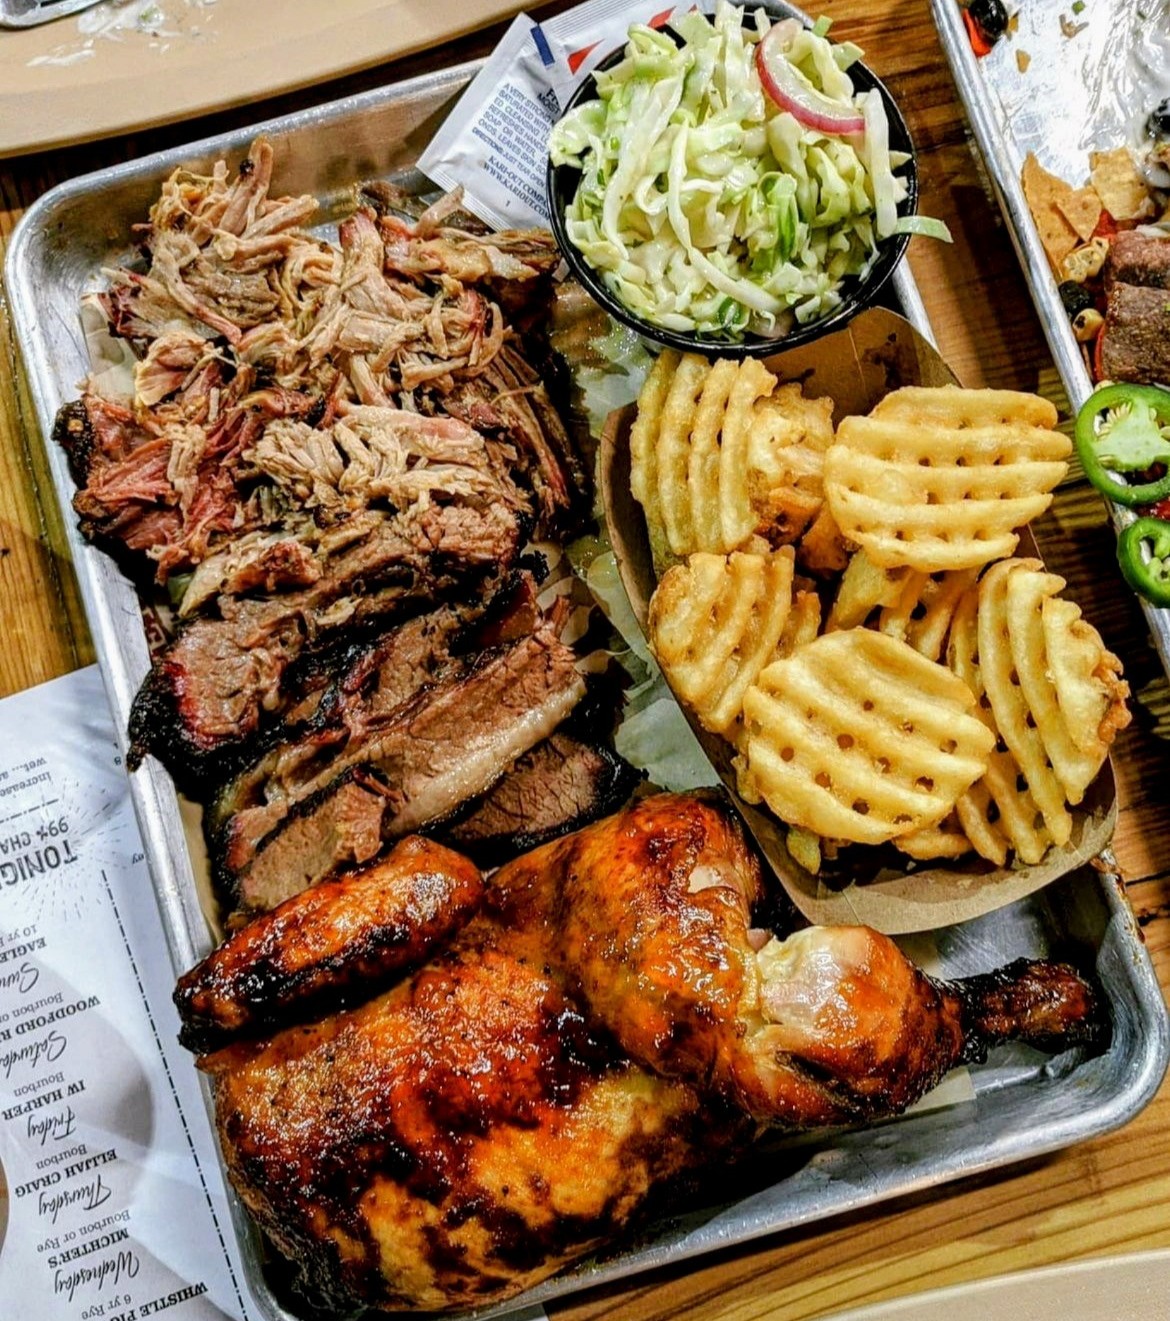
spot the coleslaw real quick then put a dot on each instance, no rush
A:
(709, 207)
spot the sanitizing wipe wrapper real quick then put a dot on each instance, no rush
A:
(495, 142)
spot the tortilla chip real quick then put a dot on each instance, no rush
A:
(1121, 188)
(1044, 193)
(1082, 209)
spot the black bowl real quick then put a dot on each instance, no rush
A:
(857, 293)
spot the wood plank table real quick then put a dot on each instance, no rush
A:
(1106, 1196)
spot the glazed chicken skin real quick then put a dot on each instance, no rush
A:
(328, 942)
(648, 914)
(453, 1141)
(606, 1021)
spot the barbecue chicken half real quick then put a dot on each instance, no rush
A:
(477, 1082)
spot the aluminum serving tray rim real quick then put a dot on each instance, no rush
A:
(1002, 170)
(855, 1169)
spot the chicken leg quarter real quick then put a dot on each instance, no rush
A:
(648, 916)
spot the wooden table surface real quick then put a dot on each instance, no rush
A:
(1106, 1196)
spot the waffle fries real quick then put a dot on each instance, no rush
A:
(858, 737)
(946, 840)
(915, 695)
(999, 813)
(689, 454)
(718, 454)
(715, 622)
(1038, 669)
(941, 479)
(786, 456)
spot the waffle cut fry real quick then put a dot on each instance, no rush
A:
(857, 737)
(924, 609)
(998, 814)
(914, 607)
(719, 454)
(714, 624)
(644, 450)
(786, 457)
(1089, 688)
(862, 589)
(803, 622)
(1052, 693)
(940, 478)
(689, 454)
(998, 656)
(946, 840)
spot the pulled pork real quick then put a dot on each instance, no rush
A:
(278, 373)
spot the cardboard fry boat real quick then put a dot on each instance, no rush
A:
(878, 352)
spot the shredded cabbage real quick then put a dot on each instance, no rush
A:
(706, 208)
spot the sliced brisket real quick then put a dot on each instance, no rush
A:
(333, 697)
(561, 785)
(372, 684)
(208, 693)
(447, 745)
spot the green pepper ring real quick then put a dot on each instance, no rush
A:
(1150, 578)
(1110, 396)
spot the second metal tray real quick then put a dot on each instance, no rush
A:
(1054, 110)
(1024, 1104)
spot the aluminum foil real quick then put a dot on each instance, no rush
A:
(1088, 82)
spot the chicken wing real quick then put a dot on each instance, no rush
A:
(648, 915)
(341, 937)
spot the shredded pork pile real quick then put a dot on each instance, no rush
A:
(284, 382)
(321, 443)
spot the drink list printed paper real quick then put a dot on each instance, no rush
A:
(112, 1203)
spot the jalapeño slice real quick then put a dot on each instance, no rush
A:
(1126, 429)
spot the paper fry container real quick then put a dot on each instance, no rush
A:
(878, 352)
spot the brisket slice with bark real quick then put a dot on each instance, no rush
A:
(561, 785)
(405, 661)
(332, 696)
(444, 747)
(208, 693)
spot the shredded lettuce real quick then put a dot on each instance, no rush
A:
(706, 208)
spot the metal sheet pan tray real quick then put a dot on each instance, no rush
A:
(1070, 100)
(1020, 1104)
